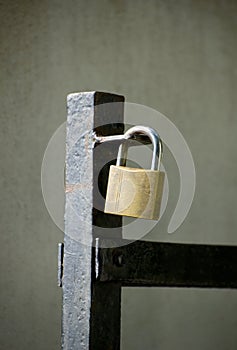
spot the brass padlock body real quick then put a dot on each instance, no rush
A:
(134, 192)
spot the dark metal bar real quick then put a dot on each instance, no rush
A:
(106, 313)
(105, 318)
(88, 113)
(144, 263)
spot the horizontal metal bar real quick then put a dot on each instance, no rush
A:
(142, 263)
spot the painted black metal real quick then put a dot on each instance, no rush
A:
(144, 263)
(105, 316)
(105, 326)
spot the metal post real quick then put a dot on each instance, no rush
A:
(84, 326)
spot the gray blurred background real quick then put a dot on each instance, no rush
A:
(178, 57)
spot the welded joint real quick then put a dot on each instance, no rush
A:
(60, 263)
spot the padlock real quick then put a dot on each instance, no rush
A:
(133, 191)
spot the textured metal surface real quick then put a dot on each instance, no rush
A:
(78, 223)
(85, 114)
(169, 264)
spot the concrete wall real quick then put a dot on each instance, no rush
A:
(178, 57)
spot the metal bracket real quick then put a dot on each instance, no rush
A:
(136, 140)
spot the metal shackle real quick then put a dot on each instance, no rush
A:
(155, 140)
